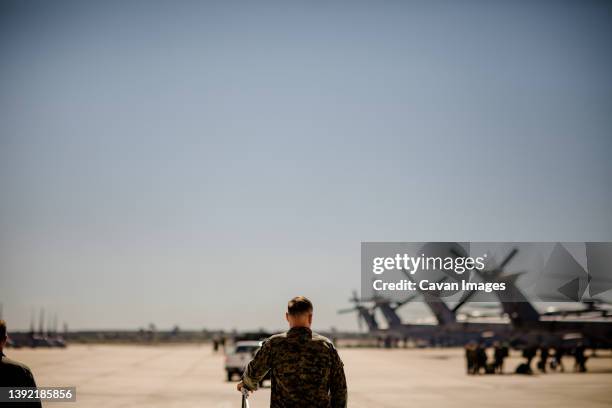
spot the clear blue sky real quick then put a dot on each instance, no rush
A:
(200, 163)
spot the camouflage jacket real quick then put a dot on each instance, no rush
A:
(306, 370)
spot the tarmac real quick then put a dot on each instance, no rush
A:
(193, 376)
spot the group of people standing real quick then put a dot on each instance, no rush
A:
(554, 360)
(550, 358)
(478, 361)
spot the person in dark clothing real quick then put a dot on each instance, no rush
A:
(529, 353)
(500, 353)
(544, 352)
(481, 358)
(14, 374)
(558, 358)
(470, 357)
(580, 364)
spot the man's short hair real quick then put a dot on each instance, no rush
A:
(299, 305)
(2, 330)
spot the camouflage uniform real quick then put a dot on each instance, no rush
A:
(306, 370)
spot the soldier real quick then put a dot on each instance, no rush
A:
(500, 353)
(529, 352)
(306, 369)
(558, 357)
(14, 374)
(544, 353)
(481, 358)
(470, 357)
(580, 364)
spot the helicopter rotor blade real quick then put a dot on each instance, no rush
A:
(507, 259)
(406, 300)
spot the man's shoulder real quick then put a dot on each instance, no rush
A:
(274, 340)
(316, 337)
(322, 339)
(7, 362)
(277, 336)
(14, 373)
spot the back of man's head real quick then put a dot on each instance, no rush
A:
(298, 306)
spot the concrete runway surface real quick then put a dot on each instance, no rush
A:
(193, 376)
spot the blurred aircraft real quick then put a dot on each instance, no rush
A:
(447, 331)
(363, 314)
(526, 325)
(549, 327)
